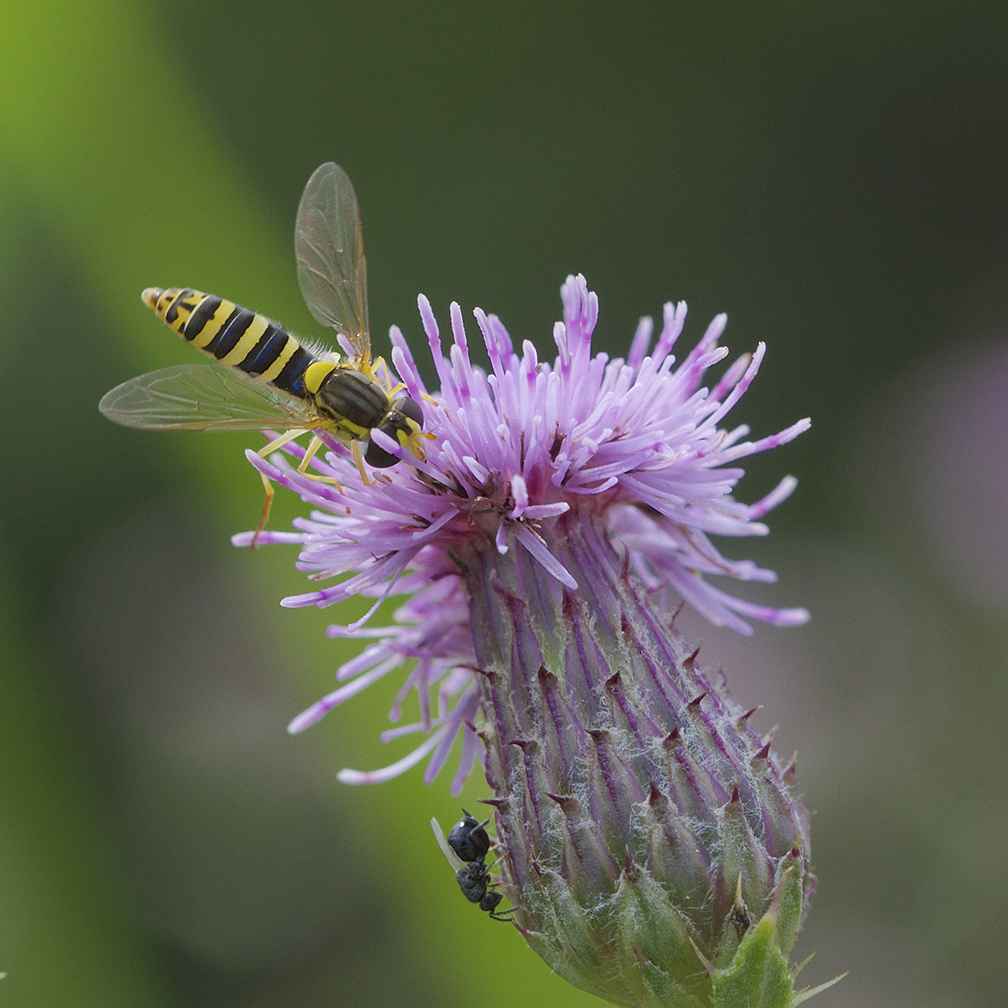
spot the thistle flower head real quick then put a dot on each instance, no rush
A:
(562, 513)
(634, 446)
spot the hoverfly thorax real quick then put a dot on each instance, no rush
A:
(349, 398)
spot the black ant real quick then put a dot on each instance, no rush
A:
(469, 840)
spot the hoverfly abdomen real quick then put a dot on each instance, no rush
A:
(234, 335)
(403, 421)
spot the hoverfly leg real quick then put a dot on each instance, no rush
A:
(359, 459)
(380, 371)
(267, 504)
(276, 443)
(313, 447)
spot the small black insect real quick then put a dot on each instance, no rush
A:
(475, 883)
(469, 840)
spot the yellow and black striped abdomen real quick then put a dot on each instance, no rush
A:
(234, 335)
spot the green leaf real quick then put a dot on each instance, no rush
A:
(759, 977)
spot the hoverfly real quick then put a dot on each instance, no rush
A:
(273, 380)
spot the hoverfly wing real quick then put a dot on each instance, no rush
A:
(200, 397)
(330, 256)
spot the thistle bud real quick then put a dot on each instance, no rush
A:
(646, 829)
(654, 850)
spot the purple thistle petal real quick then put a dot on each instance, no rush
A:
(516, 448)
(334, 699)
(780, 493)
(540, 551)
(393, 770)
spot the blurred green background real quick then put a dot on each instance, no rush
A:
(831, 175)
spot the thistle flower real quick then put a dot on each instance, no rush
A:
(653, 846)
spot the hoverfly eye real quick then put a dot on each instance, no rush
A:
(393, 425)
(376, 456)
(410, 409)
